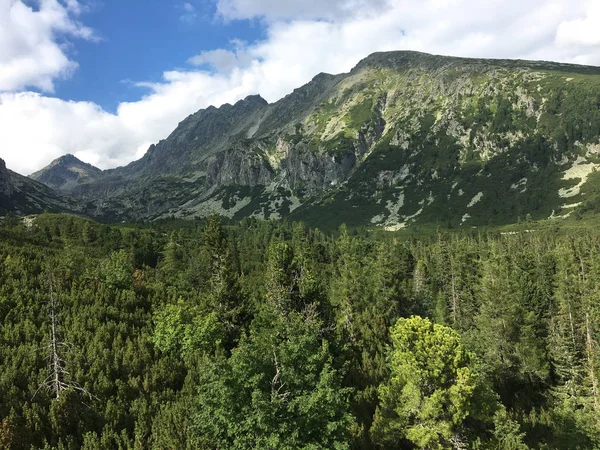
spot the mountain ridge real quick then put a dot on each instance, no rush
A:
(402, 138)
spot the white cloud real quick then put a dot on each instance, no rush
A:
(35, 129)
(297, 9)
(583, 32)
(189, 13)
(222, 60)
(30, 54)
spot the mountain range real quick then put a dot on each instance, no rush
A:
(404, 138)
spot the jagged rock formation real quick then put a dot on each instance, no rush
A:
(403, 138)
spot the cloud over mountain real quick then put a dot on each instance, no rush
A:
(302, 38)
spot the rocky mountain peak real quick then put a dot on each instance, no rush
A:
(250, 103)
(198, 136)
(66, 172)
(408, 59)
(255, 99)
(68, 158)
(22, 195)
(322, 77)
(396, 60)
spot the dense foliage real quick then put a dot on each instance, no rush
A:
(270, 335)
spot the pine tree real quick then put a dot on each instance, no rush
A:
(223, 285)
(172, 258)
(432, 389)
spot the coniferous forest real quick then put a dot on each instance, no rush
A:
(271, 335)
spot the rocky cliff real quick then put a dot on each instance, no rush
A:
(21, 195)
(403, 138)
(6, 187)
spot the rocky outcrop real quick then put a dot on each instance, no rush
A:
(237, 167)
(22, 195)
(200, 135)
(6, 187)
(311, 173)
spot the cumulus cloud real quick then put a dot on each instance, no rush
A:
(584, 30)
(37, 129)
(30, 52)
(302, 39)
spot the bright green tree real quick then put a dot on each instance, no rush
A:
(432, 388)
(223, 288)
(183, 328)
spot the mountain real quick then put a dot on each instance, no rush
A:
(67, 172)
(6, 187)
(21, 195)
(404, 138)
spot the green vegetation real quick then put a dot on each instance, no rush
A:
(440, 137)
(271, 335)
(361, 113)
(432, 390)
(340, 145)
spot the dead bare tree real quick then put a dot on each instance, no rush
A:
(277, 385)
(58, 379)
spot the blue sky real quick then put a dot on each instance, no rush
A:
(164, 35)
(104, 79)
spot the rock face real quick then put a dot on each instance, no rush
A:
(404, 138)
(6, 187)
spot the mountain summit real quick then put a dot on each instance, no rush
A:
(66, 172)
(404, 138)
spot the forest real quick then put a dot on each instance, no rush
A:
(272, 335)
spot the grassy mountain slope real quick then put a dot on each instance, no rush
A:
(461, 142)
